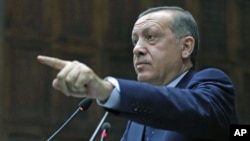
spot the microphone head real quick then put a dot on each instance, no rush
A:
(85, 103)
(106, 126)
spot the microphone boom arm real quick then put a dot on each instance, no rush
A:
(82, 106)
(99, 126)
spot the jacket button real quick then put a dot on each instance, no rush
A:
(136, 109)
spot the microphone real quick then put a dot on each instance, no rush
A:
(99, 126)
(105, 127)
(82, 106)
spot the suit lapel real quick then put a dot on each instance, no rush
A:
(185, 79)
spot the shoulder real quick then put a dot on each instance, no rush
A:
(212, 74)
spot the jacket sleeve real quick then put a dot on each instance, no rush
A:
(204, 108)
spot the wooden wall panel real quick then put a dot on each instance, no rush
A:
(28, 88)
(26, 100)
(76, 19)
(67, 30)
(241, 42)
(213, 42)
(2, 53)
(22, 19)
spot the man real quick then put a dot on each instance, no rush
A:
(171, 101)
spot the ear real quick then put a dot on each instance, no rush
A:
(187, 46)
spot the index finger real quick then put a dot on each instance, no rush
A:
(52, 62)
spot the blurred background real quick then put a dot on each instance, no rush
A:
(97, 32)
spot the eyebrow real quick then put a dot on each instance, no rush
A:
(145, 30)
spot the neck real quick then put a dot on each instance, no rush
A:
(176, 75)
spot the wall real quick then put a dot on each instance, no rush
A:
(1, 62)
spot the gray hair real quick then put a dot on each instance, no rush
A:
(183, 24)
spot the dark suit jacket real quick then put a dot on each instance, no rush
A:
(200, 107)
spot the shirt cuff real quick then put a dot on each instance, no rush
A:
(113, 101)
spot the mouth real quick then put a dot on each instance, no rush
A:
(141, 64)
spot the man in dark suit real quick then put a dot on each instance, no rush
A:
(170, 101)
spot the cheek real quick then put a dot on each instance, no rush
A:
(134, 60)
(165, 60)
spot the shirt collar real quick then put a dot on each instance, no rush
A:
(177, 80)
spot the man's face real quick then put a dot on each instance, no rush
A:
(157, 57)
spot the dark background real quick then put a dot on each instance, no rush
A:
(97, 32)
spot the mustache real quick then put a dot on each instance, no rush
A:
(141, 60)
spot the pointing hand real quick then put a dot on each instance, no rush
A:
(77, 79)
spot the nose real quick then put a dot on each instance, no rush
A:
(139, 49)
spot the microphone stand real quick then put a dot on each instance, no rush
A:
(99, 126)
(83, 105)
(64, 124)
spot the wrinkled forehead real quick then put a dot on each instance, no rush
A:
(160, 17)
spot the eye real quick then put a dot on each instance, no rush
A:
(134, 42)
(150, 37)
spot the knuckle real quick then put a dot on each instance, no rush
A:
(68, 79)
(59, 76)
(75, 62)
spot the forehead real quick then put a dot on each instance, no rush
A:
(162, 18)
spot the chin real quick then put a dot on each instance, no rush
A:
(144, 78)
